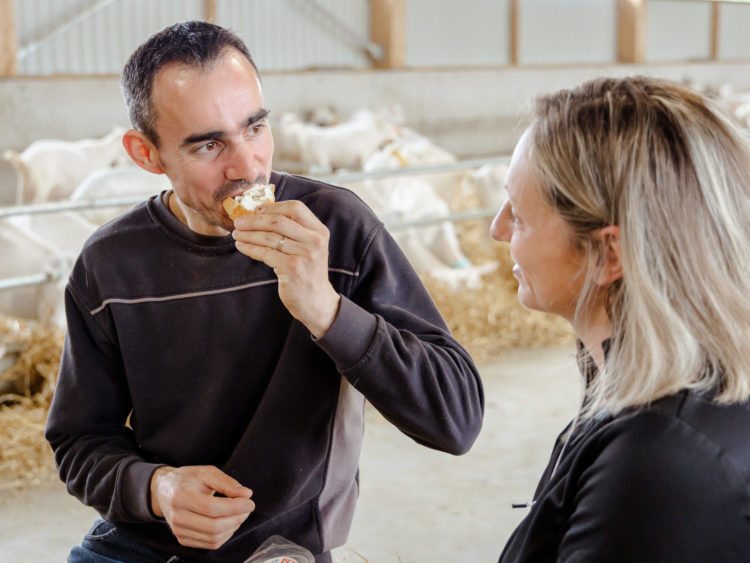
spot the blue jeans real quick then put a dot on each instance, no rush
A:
(106, 544)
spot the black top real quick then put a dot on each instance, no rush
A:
(665, 483)
(191, 336)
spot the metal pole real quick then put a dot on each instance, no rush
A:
(33, 279)
(72, 205)
(412, 170)
(58, 206)
(453, 218)
(68, 205)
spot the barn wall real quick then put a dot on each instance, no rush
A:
(469, 111)
(96, 36)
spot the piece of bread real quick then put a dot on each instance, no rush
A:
(246, 203)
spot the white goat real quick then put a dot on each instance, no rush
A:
(34, 244)
(431, 249)
(412, 149)
(488, 182)
(344, 145)
(116, 182)
(52, 168)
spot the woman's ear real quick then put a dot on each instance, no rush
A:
(142, 151)
(610, 269)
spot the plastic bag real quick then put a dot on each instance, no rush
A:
(278, 549)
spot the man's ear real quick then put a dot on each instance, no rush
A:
(610, 268)
(142, 151)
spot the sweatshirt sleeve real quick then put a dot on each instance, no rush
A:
(658, 490)
(95, 451)
(391, 344)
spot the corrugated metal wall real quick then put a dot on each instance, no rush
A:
(96, 36)
(90, 36)
(294, 34)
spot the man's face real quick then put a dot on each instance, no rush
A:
(214, 136)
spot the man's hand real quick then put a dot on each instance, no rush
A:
(184, 496)
(289, 238)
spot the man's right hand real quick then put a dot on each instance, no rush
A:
(185, 497)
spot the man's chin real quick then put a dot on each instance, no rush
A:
(224, 222)
(221, 223)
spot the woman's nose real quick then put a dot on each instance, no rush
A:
(501, 229)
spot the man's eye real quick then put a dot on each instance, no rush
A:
(207, 147)
(256, 128)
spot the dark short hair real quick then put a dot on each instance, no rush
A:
(195, 43)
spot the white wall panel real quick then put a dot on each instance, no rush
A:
(734, 31)
(470, 32)
(570, 31)
(678, 31)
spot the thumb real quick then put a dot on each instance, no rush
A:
(218, 481)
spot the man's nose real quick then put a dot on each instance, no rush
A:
(242, 164)
(501, 229)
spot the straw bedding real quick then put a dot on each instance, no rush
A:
(26, 388)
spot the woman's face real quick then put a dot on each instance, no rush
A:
(550, 270)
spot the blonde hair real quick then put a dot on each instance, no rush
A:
(658, 160)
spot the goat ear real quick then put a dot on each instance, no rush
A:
(142, 151)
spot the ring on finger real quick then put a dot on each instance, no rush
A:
(280, 244)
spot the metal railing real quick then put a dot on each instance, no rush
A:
(338, 179)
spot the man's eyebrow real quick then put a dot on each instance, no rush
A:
(258, 116)
(207, 136)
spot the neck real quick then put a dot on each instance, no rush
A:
(595, 331)
(190, 219)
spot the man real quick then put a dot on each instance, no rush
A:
(212, 384)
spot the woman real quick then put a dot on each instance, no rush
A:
(628, 214)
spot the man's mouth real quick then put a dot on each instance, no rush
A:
(239, 187)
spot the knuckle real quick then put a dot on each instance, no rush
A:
(296, 265)
(214, 529)
(177, 520)
(319, 239)
(215, 544)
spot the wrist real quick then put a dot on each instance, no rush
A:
(325, 318)
(154, 488)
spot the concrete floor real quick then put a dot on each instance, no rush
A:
(416, 505)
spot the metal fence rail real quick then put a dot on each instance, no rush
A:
(338, 179)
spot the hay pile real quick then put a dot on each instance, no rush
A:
(30, 356)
